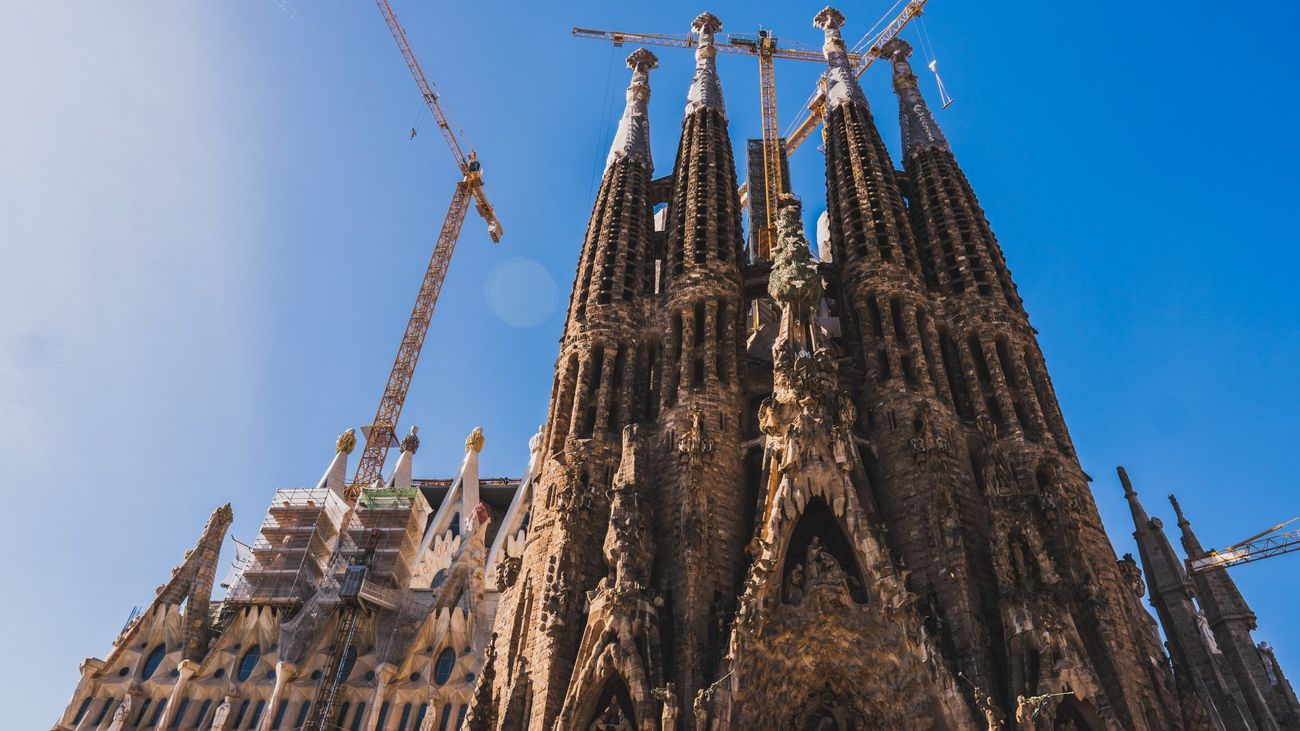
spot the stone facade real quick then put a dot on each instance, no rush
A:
(265, 655)
(806, 494)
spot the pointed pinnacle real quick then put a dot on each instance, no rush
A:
(1178, 510)
(1124, 480)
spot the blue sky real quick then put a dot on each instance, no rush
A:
(213, 225)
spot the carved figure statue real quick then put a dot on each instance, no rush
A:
(122, 713)
(667, 695)
(695, 444)
(700, 708)
(794, 584)
(993, 717)
(612, 719)
(1203, 625)
(221, 714)
(821, 566)
(1132, 574)
(627, 540)
(1025, 714)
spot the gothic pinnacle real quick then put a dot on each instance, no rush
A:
(914, 118)
(706, 89)
(841, 83)
(632, 139)
(1178, 510)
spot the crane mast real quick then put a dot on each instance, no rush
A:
(381, 434)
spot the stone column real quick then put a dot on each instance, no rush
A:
(85, 689)
(187, 669)
(384, 673)
(284, 672)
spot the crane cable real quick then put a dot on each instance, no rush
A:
(604, 123)
(927, 51)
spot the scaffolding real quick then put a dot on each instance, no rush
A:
(293, 549)
(397, 515)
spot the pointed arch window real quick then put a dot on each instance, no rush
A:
(249, 662)
(443, 666)
(152, 662)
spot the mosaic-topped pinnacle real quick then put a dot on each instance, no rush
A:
(920, 131)
(346, 442)
(642, 60)
(411, 442)
(896, 49)
(841, 82)
(474, 442)
(706, 87)
(706, 23)
(829, 19)
(632, 139)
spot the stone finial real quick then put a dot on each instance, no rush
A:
(642, 60)
(474, 442)
(1125, 481)
(829, 19)
(1178, 510)
(897, 49)
(223, 515)
(411, 443)
(346, 442)
(706, 23)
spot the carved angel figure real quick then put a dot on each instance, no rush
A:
(612, 719)
(668, 696)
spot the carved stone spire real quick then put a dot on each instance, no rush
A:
(919, 128)
(841, 83)
(706, 88)
(632, 140)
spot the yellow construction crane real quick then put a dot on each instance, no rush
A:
(380, 434)
(1259, 546)
(763, 45)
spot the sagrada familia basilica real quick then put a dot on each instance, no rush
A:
(784, 492)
